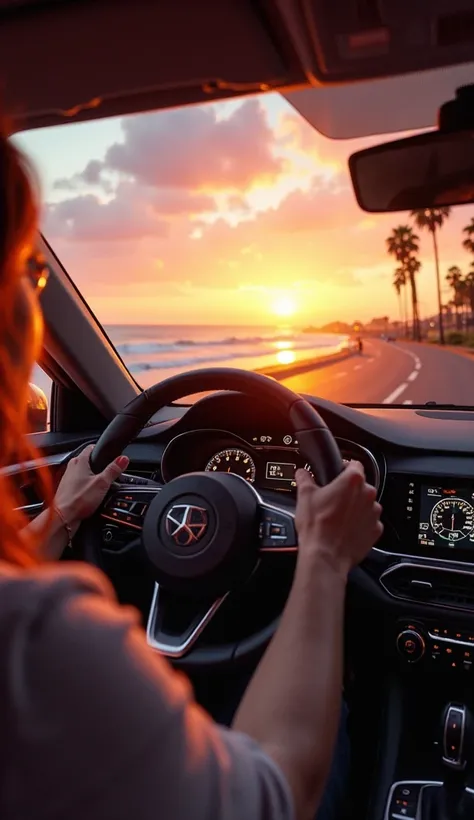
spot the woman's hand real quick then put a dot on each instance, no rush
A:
(339, 522)
(80, 491)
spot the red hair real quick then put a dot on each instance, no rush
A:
(19, 318)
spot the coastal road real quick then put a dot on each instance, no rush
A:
(392, 373)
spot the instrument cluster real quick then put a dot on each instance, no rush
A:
(268, 462)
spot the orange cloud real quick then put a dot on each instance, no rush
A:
(192, 148)
(200, 218)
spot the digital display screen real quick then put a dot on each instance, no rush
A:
(280, 471)
(446, 517)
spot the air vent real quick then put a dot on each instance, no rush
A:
(437, 586)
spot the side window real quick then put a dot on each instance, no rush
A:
(39, 401)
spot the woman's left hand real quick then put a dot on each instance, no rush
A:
(80, 491)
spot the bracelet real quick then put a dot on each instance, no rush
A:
(65, 525)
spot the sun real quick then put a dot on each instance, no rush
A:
(284, 305)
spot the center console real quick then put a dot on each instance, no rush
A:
(430, 518)
(424, 566)
(451, 798)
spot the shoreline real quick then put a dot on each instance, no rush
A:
(281, 371)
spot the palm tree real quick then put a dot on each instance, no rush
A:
(432, 220)
(399, 282)
(454, 278)
(412, 266)
(403, 244)
(468, 242)
(469, 286)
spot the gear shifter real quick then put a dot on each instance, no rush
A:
(451, 801)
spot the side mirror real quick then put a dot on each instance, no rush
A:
(37, 409)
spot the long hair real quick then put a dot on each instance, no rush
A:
(20, 329)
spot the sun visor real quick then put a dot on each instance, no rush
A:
(382, 106)
(362, 39)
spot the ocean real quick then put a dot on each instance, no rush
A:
(154, 352)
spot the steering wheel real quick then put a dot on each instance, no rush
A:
(203, 533)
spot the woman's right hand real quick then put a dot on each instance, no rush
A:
(339, 522)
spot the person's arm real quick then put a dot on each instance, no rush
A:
(292, 704)
(54, 535)
(78, 495)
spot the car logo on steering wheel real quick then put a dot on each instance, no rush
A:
(186, 524)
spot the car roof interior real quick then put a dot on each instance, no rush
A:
(99, 58)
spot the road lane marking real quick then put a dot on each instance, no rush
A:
(413, 376)
(408, 401)
(357, 367)
(396, 393)
(412, 355)
(339, 375)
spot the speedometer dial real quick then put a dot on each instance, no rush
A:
(452, 519)
(233, 461)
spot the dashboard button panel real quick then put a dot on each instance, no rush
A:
(445, 646)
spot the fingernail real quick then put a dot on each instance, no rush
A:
(122, 462)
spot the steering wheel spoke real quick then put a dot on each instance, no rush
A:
(175, 623)
(277, 530)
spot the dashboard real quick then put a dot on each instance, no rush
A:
(266, 459)
(420, 461)
(420, 574)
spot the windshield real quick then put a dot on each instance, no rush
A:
(228, 234)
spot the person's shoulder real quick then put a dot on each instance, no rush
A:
(55, 613)
(28, 589)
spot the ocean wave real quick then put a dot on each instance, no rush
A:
(168, 347)
(166, 364)
(190, 361)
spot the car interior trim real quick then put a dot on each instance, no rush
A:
(423, 561)
(36, 464)
(170, 650)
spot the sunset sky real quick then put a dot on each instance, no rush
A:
(232, 213)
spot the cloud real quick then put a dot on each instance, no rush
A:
(192, 148)
(175, 201)
(180, 163)
(90, 176)
(86, 218)
(322, 207)
(224, 203)
(92, 172)
(133, 212)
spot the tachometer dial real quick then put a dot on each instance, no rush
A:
(233, 461)
(452, 519)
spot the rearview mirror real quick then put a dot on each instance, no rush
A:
(37, 409)
(426, 171)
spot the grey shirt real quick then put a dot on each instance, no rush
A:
(96, 726)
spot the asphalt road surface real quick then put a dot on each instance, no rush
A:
(393, 373)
